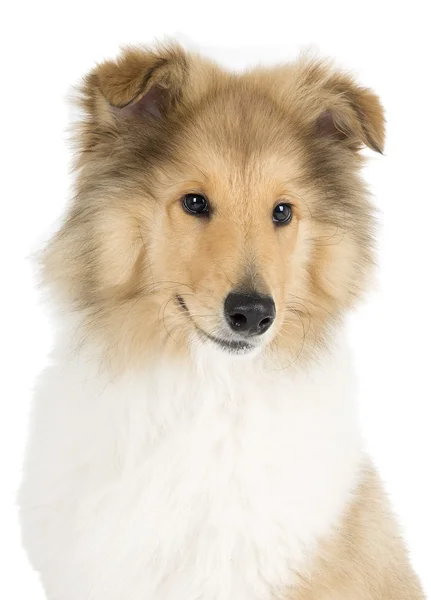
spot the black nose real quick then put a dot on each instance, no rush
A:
(249, 314)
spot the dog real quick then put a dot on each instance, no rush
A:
(195, 435)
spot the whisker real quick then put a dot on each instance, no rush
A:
(224, 272)
(164, 323)
(146, 253)
(304, 334)
(310, 302)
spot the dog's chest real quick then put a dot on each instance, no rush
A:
(217, 490)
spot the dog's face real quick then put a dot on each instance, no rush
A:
(215, 208)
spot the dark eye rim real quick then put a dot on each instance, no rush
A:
(289, 215)
(205, 212)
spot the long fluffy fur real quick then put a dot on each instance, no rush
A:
(159, 466)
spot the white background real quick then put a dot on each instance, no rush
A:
(47, 46)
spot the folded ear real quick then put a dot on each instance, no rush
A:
(343, 111)
(140, 87)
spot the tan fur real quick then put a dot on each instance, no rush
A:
(127, 249)
(366, 558)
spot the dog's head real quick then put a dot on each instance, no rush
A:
(218, 208)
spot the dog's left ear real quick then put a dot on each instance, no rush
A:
(341, 110)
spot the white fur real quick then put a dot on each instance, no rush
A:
(204, 481)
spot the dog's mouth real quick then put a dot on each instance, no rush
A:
(232, 346)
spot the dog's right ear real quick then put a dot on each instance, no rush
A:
(140, 88)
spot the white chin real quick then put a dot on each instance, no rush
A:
(239, 349)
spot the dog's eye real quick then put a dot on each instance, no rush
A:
(282, 213)
(196, 204)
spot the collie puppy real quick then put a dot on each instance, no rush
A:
(195, 436)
